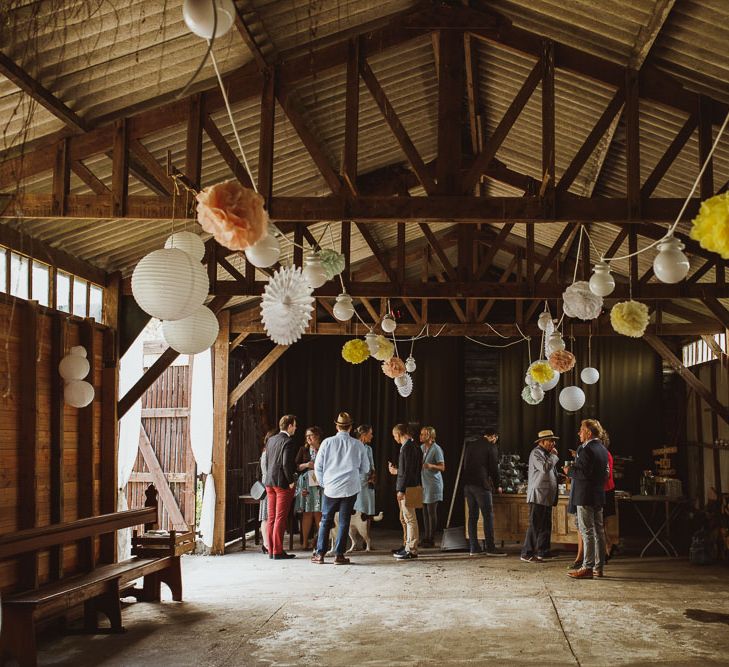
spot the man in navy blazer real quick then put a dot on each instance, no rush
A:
(588, 480)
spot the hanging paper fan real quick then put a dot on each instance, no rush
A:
(332, 261)
(355, 351)
(580, 302)
(384, 350)
(528, 397)
(286, 306)
(630, 318)
(562, 361)
(406, 387)
(394, 367)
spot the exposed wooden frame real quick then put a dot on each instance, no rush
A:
(220, 428)
(259, 371)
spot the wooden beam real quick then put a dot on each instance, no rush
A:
(220, 428)
(59, 322)
(549, 148)
(89, 179)
(151, 165)
(248, 38)
(193, 142)
(249, 380)
(706, 139)
(659, 171)
(687, 376)
(701, 271)
(85, 460)
(120, 170)
(266, 138)
(351, 116)
(495, 246)
(401, 252)
(61, 178)
(109, 437)
(345, 247)
(632, 143)
(166, 497)
(502, 129)
(451, 67)
(226, 152)
(715, 432)
(472, 91)
(505, 275)
(438, 248)
(397, 128)
(237, 341)
(714, 346)
(719, 311)
(376, 252)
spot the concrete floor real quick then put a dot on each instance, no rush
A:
(443, 609)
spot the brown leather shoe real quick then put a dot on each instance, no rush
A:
(597, 572)
(583, 573)
(317, 558)
(341, 560)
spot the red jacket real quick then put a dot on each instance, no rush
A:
(610, 482)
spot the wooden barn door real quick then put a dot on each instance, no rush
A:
(165, 456)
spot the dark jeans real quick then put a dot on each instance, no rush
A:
(539, 533)
(478, 498)
(329, 507)
(430, 521)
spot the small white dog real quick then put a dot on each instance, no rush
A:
(359, 531)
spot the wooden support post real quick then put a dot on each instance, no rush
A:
(299, 244)
(632, 141)
(59, 324)
(27, 505)
(548, 133)
(61, 178)
(193, 145)
(85, 469)
(530, 256)
(400, 252)
(351, 116)
(451, 67)
(700, 437)
(345, 247)
(266, 138)
(719, 311)
(706, 139)
(109, 439)
(472, 86)
(715, 432)
(249, 380)
(120, 170)
(519, 305)
(220, 428)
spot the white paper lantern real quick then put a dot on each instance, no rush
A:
(188, 242)
(79, 350)
(265, 253)
(551, 384)
(572, 398)
(602, 283)
(78, 393)
(371, 340)
(169, 284)
(545, 319)
(193, 334)
(74, 367)
(388, 323)
(407, 387)
(529, 380)
(555, 343)
(671, 265)
(580, 302)
(344, 308)
(590, 375)
(286, 306)
(410, 364)
(537, 392)
(313, 272)
(199, 16)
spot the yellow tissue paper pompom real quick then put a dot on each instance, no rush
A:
(711, 226)
(541, 371)
(385, 349)
(629, 318)
(355, 351)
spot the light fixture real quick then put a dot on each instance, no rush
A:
(388, 323)
(78, 393)
(572, 398)
(344, 308)
(410, 364)
(555, 342)
(199, 16)
(265, 253)
(590, 375)
(73, 367)
(544, 319)
(671, 265)
(193, 334)
(601, 283)
(371, 340)
(188, 242)
(314, 273)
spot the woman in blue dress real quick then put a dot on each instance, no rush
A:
(432, 478)
(365, 502)
(308, 491)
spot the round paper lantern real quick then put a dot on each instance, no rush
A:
(265, 253)
(552, 383)
(537, 392)
(572, 398)
(78, 393)
(388, 323)
(544, 320)
(555, 342)
(199, 16)
(193, 334)
(601, 283)
(343, 308)
(580, 302)
(590, 375)
(79, 350)
(410, 365)
(529, 380)
(169, 284)
(670, 264)
(188, 242)
(74, 367)
(313, 272)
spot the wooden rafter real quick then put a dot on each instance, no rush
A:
(249, 380)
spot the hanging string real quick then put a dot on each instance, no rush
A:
(208, 53)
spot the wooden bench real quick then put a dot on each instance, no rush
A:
(157, 560)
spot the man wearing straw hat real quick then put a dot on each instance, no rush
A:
(542, 492)
(340, 465)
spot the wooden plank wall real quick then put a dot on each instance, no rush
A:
(44, 478)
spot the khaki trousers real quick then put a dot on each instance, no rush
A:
(409, 521)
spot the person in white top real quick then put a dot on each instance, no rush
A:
(339, 467)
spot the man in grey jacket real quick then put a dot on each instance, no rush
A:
(542, 494)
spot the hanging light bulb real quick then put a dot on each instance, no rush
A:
(671, 265)
(343, 308)
(388, 323)
(602, 283)
(199, 16)
(410, 364)
(544, 319)
(555, 342)
(314, 272)
(265, 253)
(371, 340)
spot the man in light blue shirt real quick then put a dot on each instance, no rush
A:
(339, 467)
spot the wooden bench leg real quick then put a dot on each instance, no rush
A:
(18, 637)
(172, 576)
(151, 587)
(108, 604)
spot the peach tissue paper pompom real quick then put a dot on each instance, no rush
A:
(394, 367)
(630, 318)
(233, 214)
(562, 361)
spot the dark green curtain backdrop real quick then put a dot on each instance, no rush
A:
(626, 399)
(315, 383)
